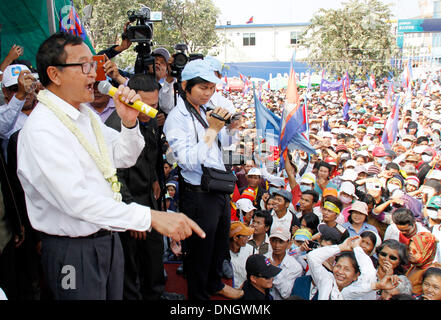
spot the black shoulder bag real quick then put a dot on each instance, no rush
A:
(213, 180)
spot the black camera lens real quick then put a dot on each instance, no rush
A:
(180, 60)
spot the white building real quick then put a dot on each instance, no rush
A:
(260, 42)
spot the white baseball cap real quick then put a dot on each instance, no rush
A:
(348, 188)
(245, 205)
(11, 73)
(349, 174)
(254, 172)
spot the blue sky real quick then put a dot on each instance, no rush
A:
(283, 11)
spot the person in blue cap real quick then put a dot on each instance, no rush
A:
(197, 138)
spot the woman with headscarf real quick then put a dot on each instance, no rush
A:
(422, 251)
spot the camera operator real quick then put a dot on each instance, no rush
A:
(196, 138)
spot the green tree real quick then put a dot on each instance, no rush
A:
(184, 21)
(357, 38)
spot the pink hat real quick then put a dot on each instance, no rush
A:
(413, 180)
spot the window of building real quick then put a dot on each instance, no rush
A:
(249, 39)
(295, 35)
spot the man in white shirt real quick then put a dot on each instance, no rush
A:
(68, 199)
(404, 227)
(291, 269)
(240, 250)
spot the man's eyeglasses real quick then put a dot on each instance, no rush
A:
(385, 255)
(86, 67)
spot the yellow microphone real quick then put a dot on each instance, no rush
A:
(105, 87)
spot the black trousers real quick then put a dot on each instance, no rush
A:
(204, 257)
(83, 268)
(144, 267)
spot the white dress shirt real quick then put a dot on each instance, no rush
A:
(181, 128)
(66, 193)
(167, 96)
(238, 262)
(325, 281)
(284, 281)
(8, 116)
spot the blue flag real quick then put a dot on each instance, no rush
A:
(267, 123)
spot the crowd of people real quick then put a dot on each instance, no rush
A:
(357, 220)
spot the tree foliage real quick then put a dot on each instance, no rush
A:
(184, 21)
(357, 38)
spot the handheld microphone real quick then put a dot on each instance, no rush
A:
(105, 87)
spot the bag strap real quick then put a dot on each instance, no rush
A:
(193, 112)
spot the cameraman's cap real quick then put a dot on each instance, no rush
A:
(258, 265)
(11, 73)
(163, 52)
(199, 68)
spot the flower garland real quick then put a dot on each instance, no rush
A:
(102, 159)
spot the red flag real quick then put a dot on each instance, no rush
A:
(251, 20)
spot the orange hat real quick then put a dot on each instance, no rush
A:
(238, 228)
(248, 193)
(330, 192)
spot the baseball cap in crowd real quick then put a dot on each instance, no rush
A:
(171, 184)
(349, 175)
(283, 193)
(359, 206)
(330, 192)
(331, 161)
(348, 188)
(199, 68)
(302, 235)
(373, 170)
(409, 137)
(258, 265)
(238, 228)
(254, 172)
(308, 178)
(341, 147)
(245, 205)
(329, 233)
(163, 52)
(11, 73)
(378, 152)
(434, 202)
(276, 181)
(351, 163)
(378, 125)
(248, 193)
(390, 153)
(280, 232)
(413, 180)
(360, 168)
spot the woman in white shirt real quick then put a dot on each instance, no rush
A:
(353, 276)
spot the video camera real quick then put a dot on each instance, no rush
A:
(180, 59)
(142, 33)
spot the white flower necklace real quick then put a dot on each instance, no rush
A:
(102, 159)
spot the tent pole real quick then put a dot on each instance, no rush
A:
(51, 16)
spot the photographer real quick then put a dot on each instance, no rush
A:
(196, 138)
(162, 69)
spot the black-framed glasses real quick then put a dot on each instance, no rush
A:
(384, 254)
(86, 67)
